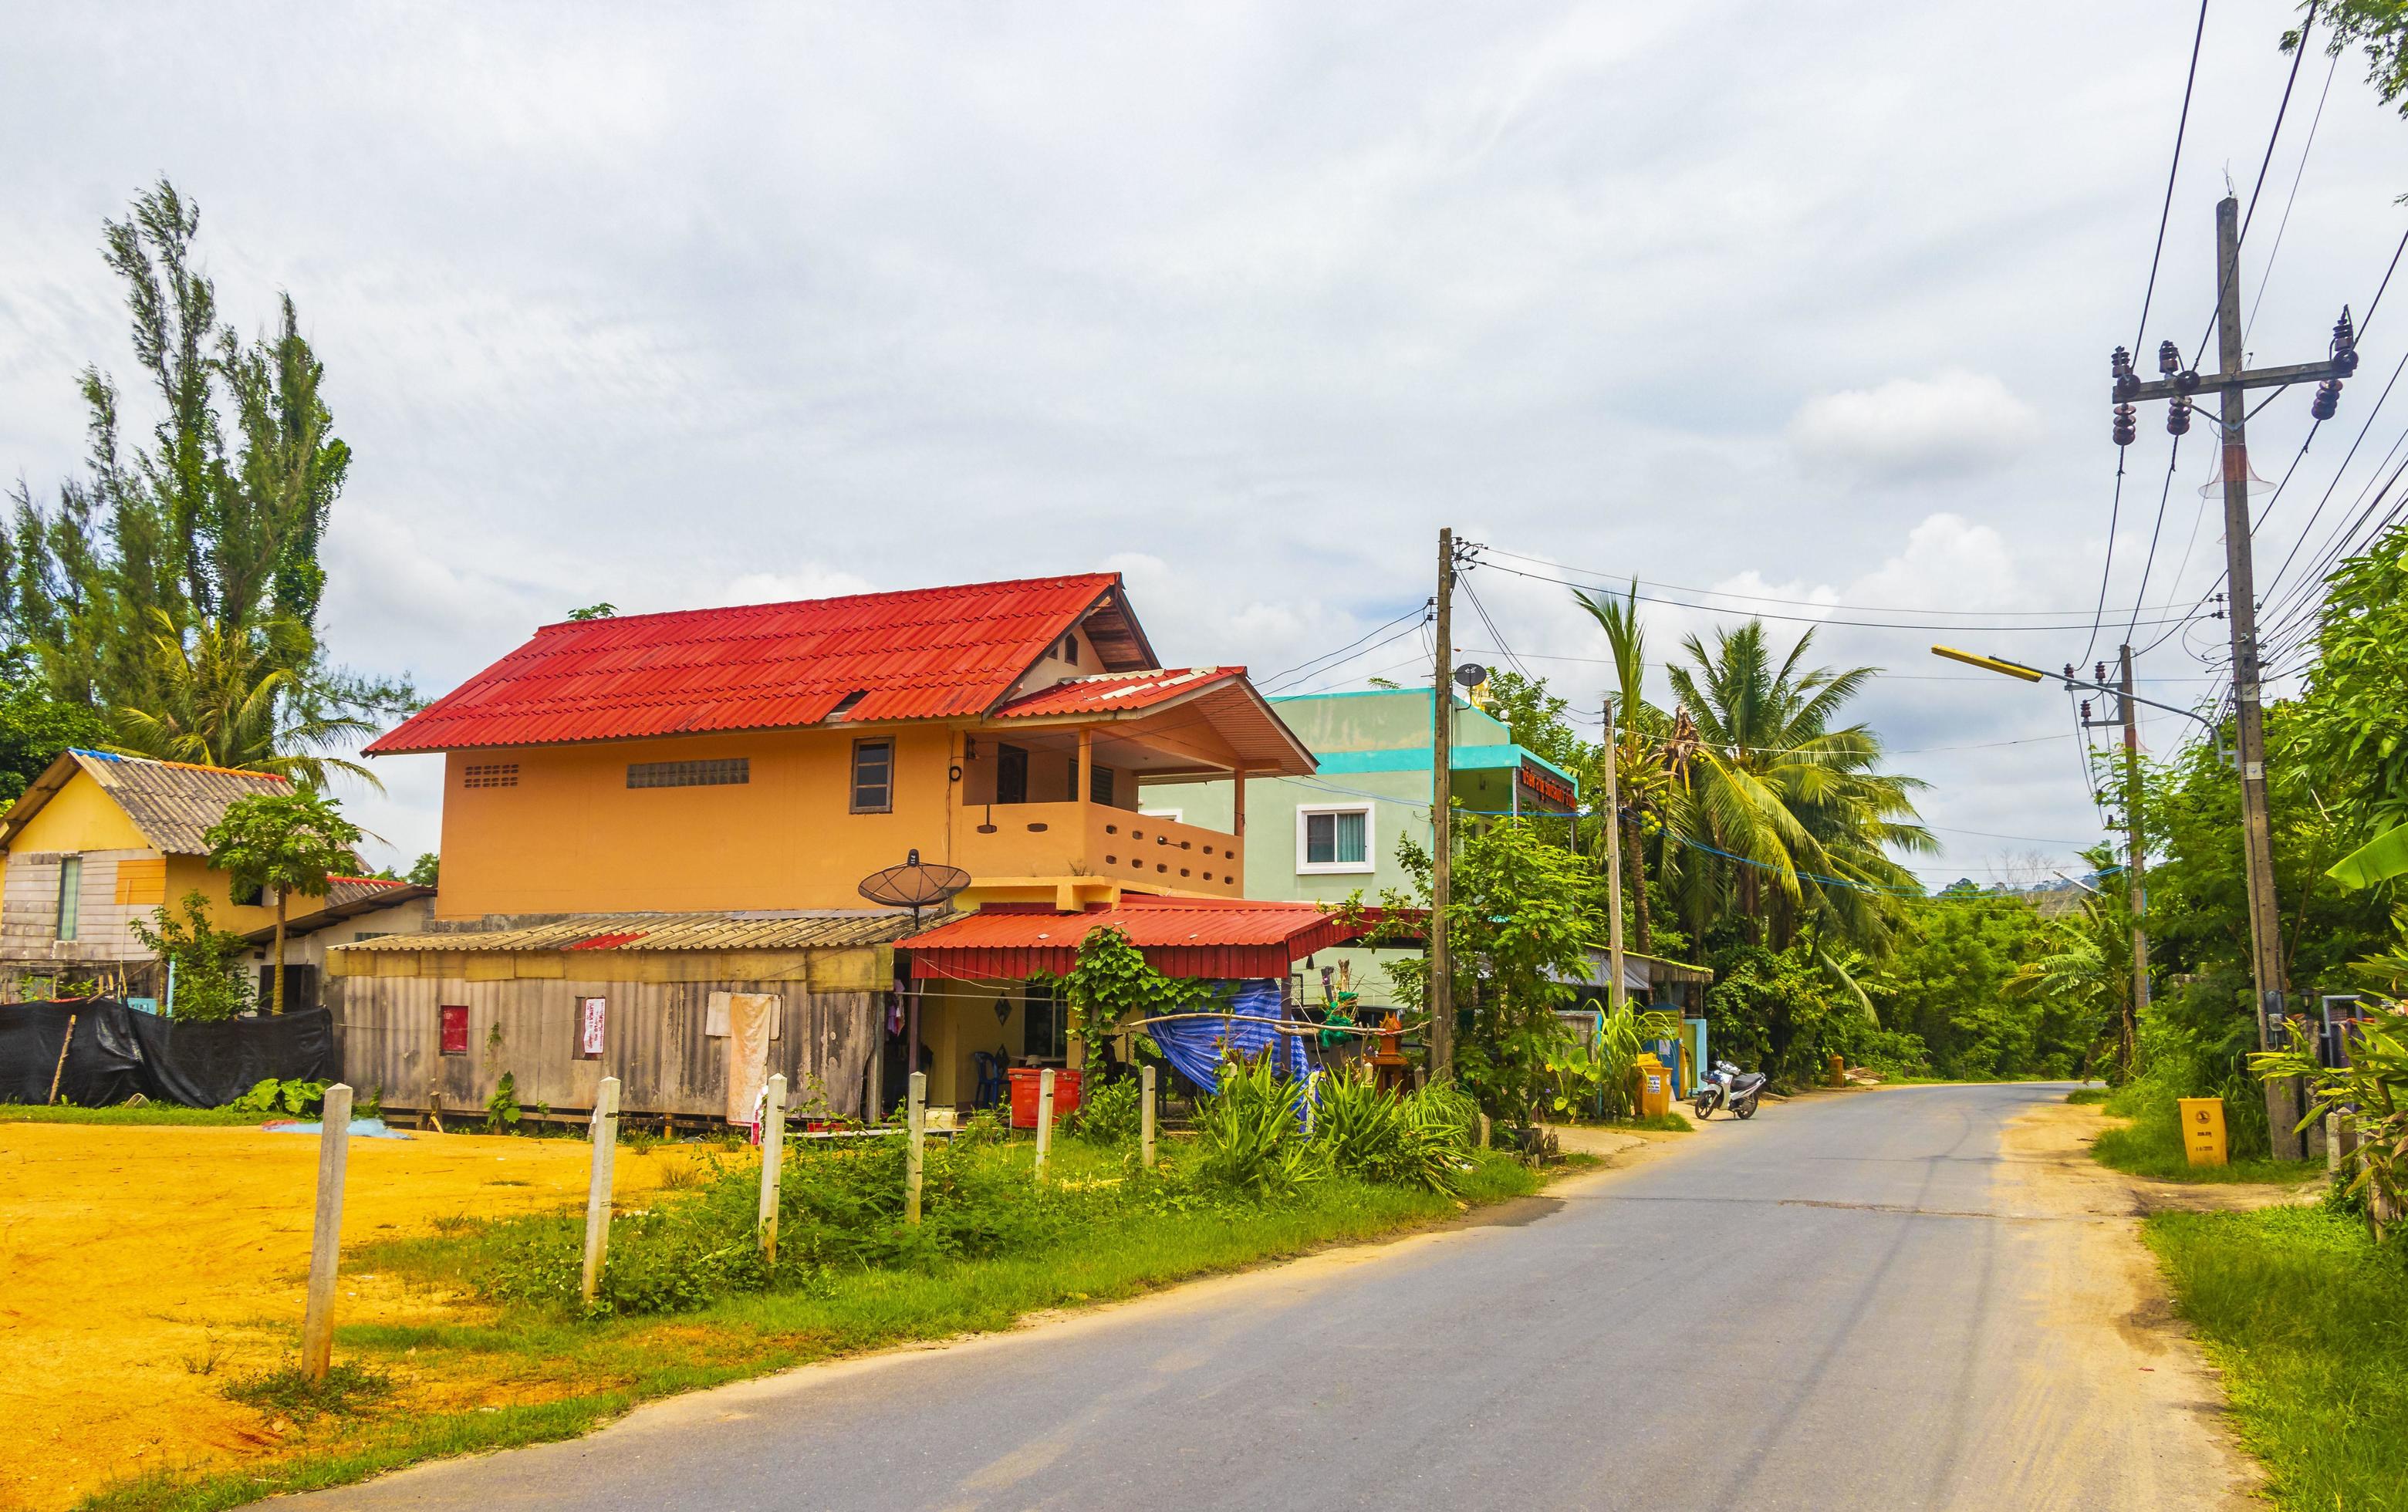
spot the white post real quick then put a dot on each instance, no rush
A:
(773, 1154)
(916, 1123)
(597, 1192)
(1044, 1117)
(326, 1240)
(1145, 1115)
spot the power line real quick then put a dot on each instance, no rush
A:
(2182, 125)
(2263, 163)
(1279, 676)
(2149, 563)
(2289, 200)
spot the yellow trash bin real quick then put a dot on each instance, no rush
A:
(2202, 1125)
(1655, 1086)
(1839, 1070)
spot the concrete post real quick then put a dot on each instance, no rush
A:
(773, 1154)
(916, 1125)
(597, 1188)
(326, 1238)
(1145, 1116)
(1044, 1117)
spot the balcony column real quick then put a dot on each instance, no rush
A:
(1086, 764)
(1237, 803)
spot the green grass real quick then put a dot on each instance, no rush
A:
(157, 1113)
(2088, 1094)
(1659, 1123)
(2153, 1148)
(604, 1367)
(2309, 1325)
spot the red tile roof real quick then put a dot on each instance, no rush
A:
(1199, 937)
(924, 653)
(1115, 692)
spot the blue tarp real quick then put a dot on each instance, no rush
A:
(1195, 1047)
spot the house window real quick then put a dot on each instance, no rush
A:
(1334, 839)
(1040, 1027)
(588, 1027)
(873, 776)
(70, 884)
(1070, 650)
(1010, 774)
(489, 775)
(247, 896)
(1099, 785)
(733, 771)
(454, 1017)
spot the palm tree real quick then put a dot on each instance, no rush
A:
(229, 695)
(1641, 777)
(1773, 791)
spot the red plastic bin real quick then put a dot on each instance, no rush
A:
(1024, 1095)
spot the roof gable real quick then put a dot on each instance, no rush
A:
(172, 804)
(923, 653)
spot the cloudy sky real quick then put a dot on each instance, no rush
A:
(1808, 301)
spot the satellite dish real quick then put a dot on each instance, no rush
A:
(1470, 674)
(914, 885)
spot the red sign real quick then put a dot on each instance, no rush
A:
(589, 1029)
(455, 1029)
(1546, 786)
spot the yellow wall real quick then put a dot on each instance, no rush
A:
(572, 837)
(80, 816)
(188, 874)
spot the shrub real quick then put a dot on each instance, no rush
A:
(1107, 1114)
(1251, 1135)
(299, 1099)
(347, 1389)
(502, 1111)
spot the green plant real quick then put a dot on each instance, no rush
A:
(1108, 1112)
(2371, 1092)
(347, 1390)
(210, 984)
(297, 1098)
(1250, 1133)
(1109, 980)
(502, 1111)
(1419, 1140)
(1596, 1071)
(287, 843)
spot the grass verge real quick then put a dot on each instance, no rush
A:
(2308, 1324)
(2153, 1148)
(156, 1113)
(564, 1375)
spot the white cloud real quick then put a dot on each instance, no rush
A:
(1953, 424)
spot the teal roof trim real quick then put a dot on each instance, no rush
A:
(1466, 759)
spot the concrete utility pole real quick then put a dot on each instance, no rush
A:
(2230, 381)
(1613, 863)
(2133, 866)
(1442, 981)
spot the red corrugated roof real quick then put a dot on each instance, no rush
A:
(924, 653)
(1201, 937)
(1116, 691)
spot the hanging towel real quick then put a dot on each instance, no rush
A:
(752, 1018)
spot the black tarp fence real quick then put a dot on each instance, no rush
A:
(117, 1051)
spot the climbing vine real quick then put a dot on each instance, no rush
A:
(1111, 980)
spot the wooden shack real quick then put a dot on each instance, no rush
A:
(439, 1018)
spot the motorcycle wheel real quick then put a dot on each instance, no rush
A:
(1746, 1109)
(1705, 1108)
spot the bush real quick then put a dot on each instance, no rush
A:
(1416, 1141)
(299, 1099)
(1251, 1132)
(1107, 1113)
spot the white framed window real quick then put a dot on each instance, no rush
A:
(1334, 838)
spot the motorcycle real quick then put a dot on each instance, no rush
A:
(1732, 1088)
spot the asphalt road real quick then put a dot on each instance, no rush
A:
(1880, 1300)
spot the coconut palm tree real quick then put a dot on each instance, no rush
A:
(1783, 810)
(228, 695)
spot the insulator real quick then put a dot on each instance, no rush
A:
(2069, 671)
(2168, 358)
(2178, 417)
(2119, 361)
(2344, 345)
(2127, 428)
(2327, 399)
(2186, 381)
(2098, 672)
(2086, 708)
(2128, 384)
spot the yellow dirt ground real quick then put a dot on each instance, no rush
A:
(141, 1268)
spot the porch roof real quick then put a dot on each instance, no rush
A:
(1191, 937)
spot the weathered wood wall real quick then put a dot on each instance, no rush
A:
(653, 1042)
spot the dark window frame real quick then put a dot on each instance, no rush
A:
(854, 785)
(67, 916)
(709, 772)
(1099, 785)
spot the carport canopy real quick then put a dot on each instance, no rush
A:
(1216, 939)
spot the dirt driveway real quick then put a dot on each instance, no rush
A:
(141, 1268)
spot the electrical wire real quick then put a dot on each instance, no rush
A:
(2173, 454)
(2173, 170)
(2256, 189)
(2291, 199)
(1277, 677)
(1613, 582)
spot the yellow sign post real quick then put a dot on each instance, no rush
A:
(2202, 1125)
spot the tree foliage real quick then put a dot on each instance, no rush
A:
(287, 842)
(206, 961)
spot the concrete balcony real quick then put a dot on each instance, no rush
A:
(1014, 846)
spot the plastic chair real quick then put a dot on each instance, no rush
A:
(990, 1079)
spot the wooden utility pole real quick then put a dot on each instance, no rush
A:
(773, 1158)
(327, 1233)
(1613, 863)
(2230, 381)
(2134, 867)
(597, 1188)
(1441, 979)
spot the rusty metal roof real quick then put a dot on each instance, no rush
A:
(1196, 937)
(347, 897)
(742, 931)
(924, 653)
(172, 803)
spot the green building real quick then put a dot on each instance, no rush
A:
(1324, 836)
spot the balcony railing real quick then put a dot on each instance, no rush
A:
(1101, 841)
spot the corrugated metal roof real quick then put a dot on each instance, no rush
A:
(1196, 937)
(746, 930)
(924, 653)
(1116, 691)
(172, 803)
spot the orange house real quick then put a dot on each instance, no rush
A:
(769, 757)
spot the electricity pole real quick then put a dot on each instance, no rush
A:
(1613, 865)
(2231, 381)
(1441, 979)
(2132, 863)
